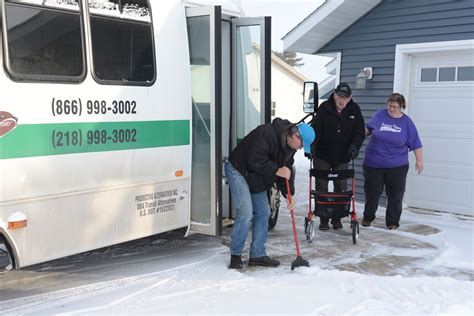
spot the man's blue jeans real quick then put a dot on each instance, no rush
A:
(250, 207)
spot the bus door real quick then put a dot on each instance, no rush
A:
(230, 74)
(250, 84)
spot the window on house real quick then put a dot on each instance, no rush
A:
(428, 74)
(122, 42)
(44, 40)
(447, 74)
(466, 73)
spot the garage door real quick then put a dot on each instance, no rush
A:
(441, 102)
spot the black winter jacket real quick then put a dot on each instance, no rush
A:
(261, 153)
(336, 132)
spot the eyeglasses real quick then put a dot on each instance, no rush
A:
(342, 97)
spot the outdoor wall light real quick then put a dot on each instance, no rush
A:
(361, 78)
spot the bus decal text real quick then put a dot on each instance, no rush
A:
(93, 107)
(156, 202)
(62, 138)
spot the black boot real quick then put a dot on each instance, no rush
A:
(264, 261)
(366, 222)
(392, 226)
(323, 223)
(336, 223)
(236, 262)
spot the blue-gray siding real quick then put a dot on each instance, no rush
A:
(371, 41)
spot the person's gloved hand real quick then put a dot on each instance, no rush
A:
(290, 205)
(353, 151)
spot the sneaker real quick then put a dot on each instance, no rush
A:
(236, 262)
(392, 227)
(323, 224)
(366, 222)
(264, 261)
(336, 223)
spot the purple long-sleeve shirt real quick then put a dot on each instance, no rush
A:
(391, 140)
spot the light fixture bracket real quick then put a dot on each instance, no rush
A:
(367, 72)
(361, 78)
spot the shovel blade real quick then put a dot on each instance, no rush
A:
(299, 262)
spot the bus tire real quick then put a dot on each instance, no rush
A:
(6, 257)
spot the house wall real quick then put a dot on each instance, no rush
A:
(287, 93)
(372, 39)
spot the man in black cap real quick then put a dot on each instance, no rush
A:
(340, 132)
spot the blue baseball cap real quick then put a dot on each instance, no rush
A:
(307, 136)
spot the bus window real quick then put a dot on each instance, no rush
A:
(44, 40)
(122, 42)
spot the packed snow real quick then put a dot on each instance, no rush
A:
(424, 268)
(64, 4)
(131, 11)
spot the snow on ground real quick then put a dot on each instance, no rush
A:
(424, 268)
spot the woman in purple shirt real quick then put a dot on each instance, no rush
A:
(393, 135)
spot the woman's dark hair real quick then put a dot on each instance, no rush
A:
(399, 98)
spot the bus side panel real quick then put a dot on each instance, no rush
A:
(105, 190)
(75, 224)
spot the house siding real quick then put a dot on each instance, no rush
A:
(371, 41)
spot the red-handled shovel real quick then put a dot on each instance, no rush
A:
(299, 261)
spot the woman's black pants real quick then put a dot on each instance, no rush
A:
(394, 180)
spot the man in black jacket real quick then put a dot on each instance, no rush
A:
(340, 130)
(264, 155)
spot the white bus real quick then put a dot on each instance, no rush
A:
(115, 117)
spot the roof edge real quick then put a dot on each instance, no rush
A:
(324, 24)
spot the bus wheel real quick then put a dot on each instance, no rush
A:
(6, 262)
(274, 199)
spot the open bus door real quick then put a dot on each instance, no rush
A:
(230, 74)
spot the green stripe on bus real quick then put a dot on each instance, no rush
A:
(32, 140)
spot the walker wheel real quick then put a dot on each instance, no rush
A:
(355, 231)
(310, 231)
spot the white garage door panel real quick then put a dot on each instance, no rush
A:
(444, 115)
(440, 196)
(436, 151)
(453, 108)
(452, 133)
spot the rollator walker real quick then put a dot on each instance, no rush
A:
(333, 205)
